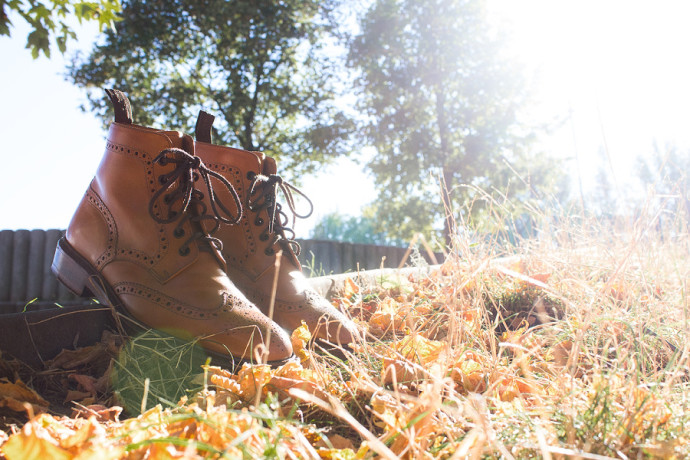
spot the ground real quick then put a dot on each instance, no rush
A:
(572, 344)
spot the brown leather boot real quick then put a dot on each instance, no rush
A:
(250, 248)
(140, 240)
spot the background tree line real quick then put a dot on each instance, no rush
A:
(435, 96)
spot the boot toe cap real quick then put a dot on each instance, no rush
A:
(279, 348)
(337, 329)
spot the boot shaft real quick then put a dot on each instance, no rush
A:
(250, 248)
(140, 240)
(117, 217)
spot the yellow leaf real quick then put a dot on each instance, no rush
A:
(469, 373)
(507, 389)
(336, 454)
(300, 339)
(101, 452)
(390, 411)
(14, 395)
(252, 378)
(294, 370)
(33, 443)
(225, 383)
(88, 430)
(420, 349)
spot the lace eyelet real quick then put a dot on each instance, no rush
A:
(161, 180)
(258, 221)
(269, 252)
(167, 199)
(251, 175)
(178, 232)
(263, 237)
(184, 251)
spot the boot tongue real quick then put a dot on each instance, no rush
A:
(186, 143)
(269, 167)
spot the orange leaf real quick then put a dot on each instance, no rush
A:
(350, 289)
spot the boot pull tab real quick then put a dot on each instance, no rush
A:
(202, 131)
(123, 109)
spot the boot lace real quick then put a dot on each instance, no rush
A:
(266, 188)
(185, 202)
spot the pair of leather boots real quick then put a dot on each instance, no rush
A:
(183, 236)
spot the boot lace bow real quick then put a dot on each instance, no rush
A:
(185, 202)
(266, 188)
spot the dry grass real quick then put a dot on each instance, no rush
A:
(572, 344)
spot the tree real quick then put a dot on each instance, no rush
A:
(362, 229)
(441, 103)
(602, 199)
(666, 171)
(258, 65)
(50, 18)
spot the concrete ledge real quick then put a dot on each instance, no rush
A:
(330, 285)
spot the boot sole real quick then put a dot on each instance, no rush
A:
(79, 276)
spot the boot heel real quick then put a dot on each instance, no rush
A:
(69, 271)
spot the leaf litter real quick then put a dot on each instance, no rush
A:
(517, 357)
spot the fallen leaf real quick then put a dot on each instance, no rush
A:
(77, 396)
(417, 348)
(335, 442)
(337, 454)
(71, 359)
(252, 378)
(283, 384)
(469, 373)
(15, 395)
(33, 443)
(100, 412)
(350, 289)
(300, 339)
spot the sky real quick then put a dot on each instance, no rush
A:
(619, 68)
(616, 72)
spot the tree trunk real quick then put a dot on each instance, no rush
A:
(449, 220)
(447, 179)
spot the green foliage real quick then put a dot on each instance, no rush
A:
(50, 19)
(442, 106)
(362, 229)
(259, 66)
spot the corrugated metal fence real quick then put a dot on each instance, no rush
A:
(26, 256)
